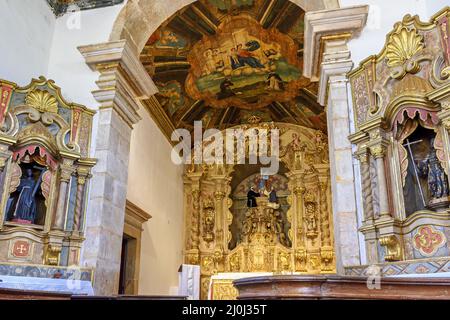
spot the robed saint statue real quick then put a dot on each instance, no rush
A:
(24, 210)
(437, 179)
(251, 198)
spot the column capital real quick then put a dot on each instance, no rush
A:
(123, 79)
(378, 151)
(335, 26)
(362, 156)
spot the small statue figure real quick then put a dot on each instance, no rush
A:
(273, 199)
(437, 179)
(251, 197)
(311, 216)
(279, 230)
(208, 227)
(25, 209)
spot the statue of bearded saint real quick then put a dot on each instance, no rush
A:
(24, 210)
(437, 179)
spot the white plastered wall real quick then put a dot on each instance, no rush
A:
(27, 28)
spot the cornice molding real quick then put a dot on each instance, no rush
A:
(347, 21)
(329, 69)
(135, 216)
(123, 80)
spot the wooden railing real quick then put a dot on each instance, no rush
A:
(336, 287)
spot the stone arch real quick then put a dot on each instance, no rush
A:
(139, 19)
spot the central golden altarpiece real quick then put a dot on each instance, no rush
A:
(208, 202)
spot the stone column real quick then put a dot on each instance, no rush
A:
(123, 80)
(327, 59)
(342, 174)
(378, 152)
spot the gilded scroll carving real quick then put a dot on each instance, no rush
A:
(403, 45)
(393, 248)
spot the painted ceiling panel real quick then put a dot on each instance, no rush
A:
(228, 62)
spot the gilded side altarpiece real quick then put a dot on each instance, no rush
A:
(401, 100)
(44, 169)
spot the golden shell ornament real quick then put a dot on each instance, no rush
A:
(402, 46)
(42, 101)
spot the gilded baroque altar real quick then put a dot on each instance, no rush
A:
(402, 116)
(294, 237)
(44, 170)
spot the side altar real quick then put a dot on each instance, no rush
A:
(402, 122)
(45, 167)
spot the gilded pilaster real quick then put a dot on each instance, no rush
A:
(378, 151)
(66, 171)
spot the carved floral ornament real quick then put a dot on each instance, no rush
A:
(428, 240)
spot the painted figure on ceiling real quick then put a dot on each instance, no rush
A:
(226, 90)
(241, 57)
(228, 4)
(274, 82)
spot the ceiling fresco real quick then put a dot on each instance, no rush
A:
(229, 62)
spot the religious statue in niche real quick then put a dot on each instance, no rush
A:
(273, 199)
(208, 221)
(265, 215)
(251, 197)
(23, 204)
(431, 168)
(311, 215)
(425, 184)
(30, 187)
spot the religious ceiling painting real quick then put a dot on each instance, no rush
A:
(224, 60)
(402, 110)
(245, 65)
(225, 5)
(44, 161)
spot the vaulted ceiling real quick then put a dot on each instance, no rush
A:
(228, 62)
